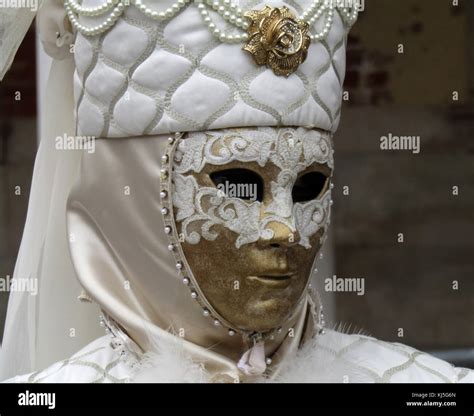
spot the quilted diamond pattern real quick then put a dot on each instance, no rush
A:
(160, 71)
(124, 44)
(384, 362)
(190, 102)
(144, 77)
(98, 362)
(104, 83)
(371, 360)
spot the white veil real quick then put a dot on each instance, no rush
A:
(52, 325)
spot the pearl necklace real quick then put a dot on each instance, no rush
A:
(224, 8)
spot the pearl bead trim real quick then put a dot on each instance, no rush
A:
(182, 266)
(92, 11)
(174, 244)
(224, 8)
(94, 30)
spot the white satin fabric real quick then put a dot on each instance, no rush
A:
(119, 250)
(51, 326)
(38, 332)
(146, 77)
(332, 358)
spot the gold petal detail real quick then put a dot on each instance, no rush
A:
(277, 39)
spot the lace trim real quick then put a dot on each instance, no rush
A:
(200, 208)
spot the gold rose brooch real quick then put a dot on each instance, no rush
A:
(277, 39)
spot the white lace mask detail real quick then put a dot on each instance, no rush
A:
(291, 150)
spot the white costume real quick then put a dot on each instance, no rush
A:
(333, 358)
(141, 76)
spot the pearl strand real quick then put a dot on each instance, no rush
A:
(219, 34)
(174, 246)
(312, 10)
(164, 15)
(327, 25)
(94, 30)
(229, 11)
(91, 11)
(225, 8)
(350, 17)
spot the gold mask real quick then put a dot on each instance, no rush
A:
(250, 208)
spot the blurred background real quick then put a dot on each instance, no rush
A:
(425, 285)
(403, 222)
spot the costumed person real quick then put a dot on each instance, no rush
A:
(202, 199)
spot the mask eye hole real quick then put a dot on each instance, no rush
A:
(239, 183)
(309, 186)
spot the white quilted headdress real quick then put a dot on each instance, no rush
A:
(146, 67)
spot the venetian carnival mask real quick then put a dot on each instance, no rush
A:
(251, 207)
(237, 215)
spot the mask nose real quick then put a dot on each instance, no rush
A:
(277, 214)
(283, 236)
